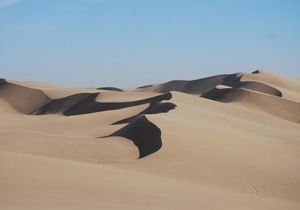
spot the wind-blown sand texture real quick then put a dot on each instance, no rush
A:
(222, 142)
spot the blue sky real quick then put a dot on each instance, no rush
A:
(128, 43)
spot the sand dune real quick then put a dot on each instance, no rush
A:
(34, 101)
(202, 85)
(279, 107)
(224, 142)
(257, 86)
(289, 87)
(192, 87)
(274, 79)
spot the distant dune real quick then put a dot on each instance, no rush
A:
(276, 106)
(229, 141)
(202, 85)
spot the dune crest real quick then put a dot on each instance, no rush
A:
(275, 106)
(202, 85)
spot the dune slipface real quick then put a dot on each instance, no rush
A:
(63, 104)
(259, 87)
(145, 135)
(23, 99)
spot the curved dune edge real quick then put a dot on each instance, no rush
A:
(200, 86)
(259, 87)
(145, 135)
(272, 78)
(276, 106)
(290, 87)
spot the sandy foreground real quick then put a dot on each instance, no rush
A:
(224, 142)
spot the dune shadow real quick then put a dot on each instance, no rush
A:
(217, 94)
(84, 103)
(144, 134)
(203, 85)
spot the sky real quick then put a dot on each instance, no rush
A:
(129, 43)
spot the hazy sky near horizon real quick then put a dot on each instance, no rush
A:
(129, 43)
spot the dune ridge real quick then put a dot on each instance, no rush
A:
(275, 106)
(271, 78)
(200, 86)
(290, 87)
(252, 90)
(35, 101)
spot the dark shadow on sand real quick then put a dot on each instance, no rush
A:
(84, 103)
(110, 88)
(145, 135)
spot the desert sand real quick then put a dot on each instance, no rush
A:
(222, 142)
